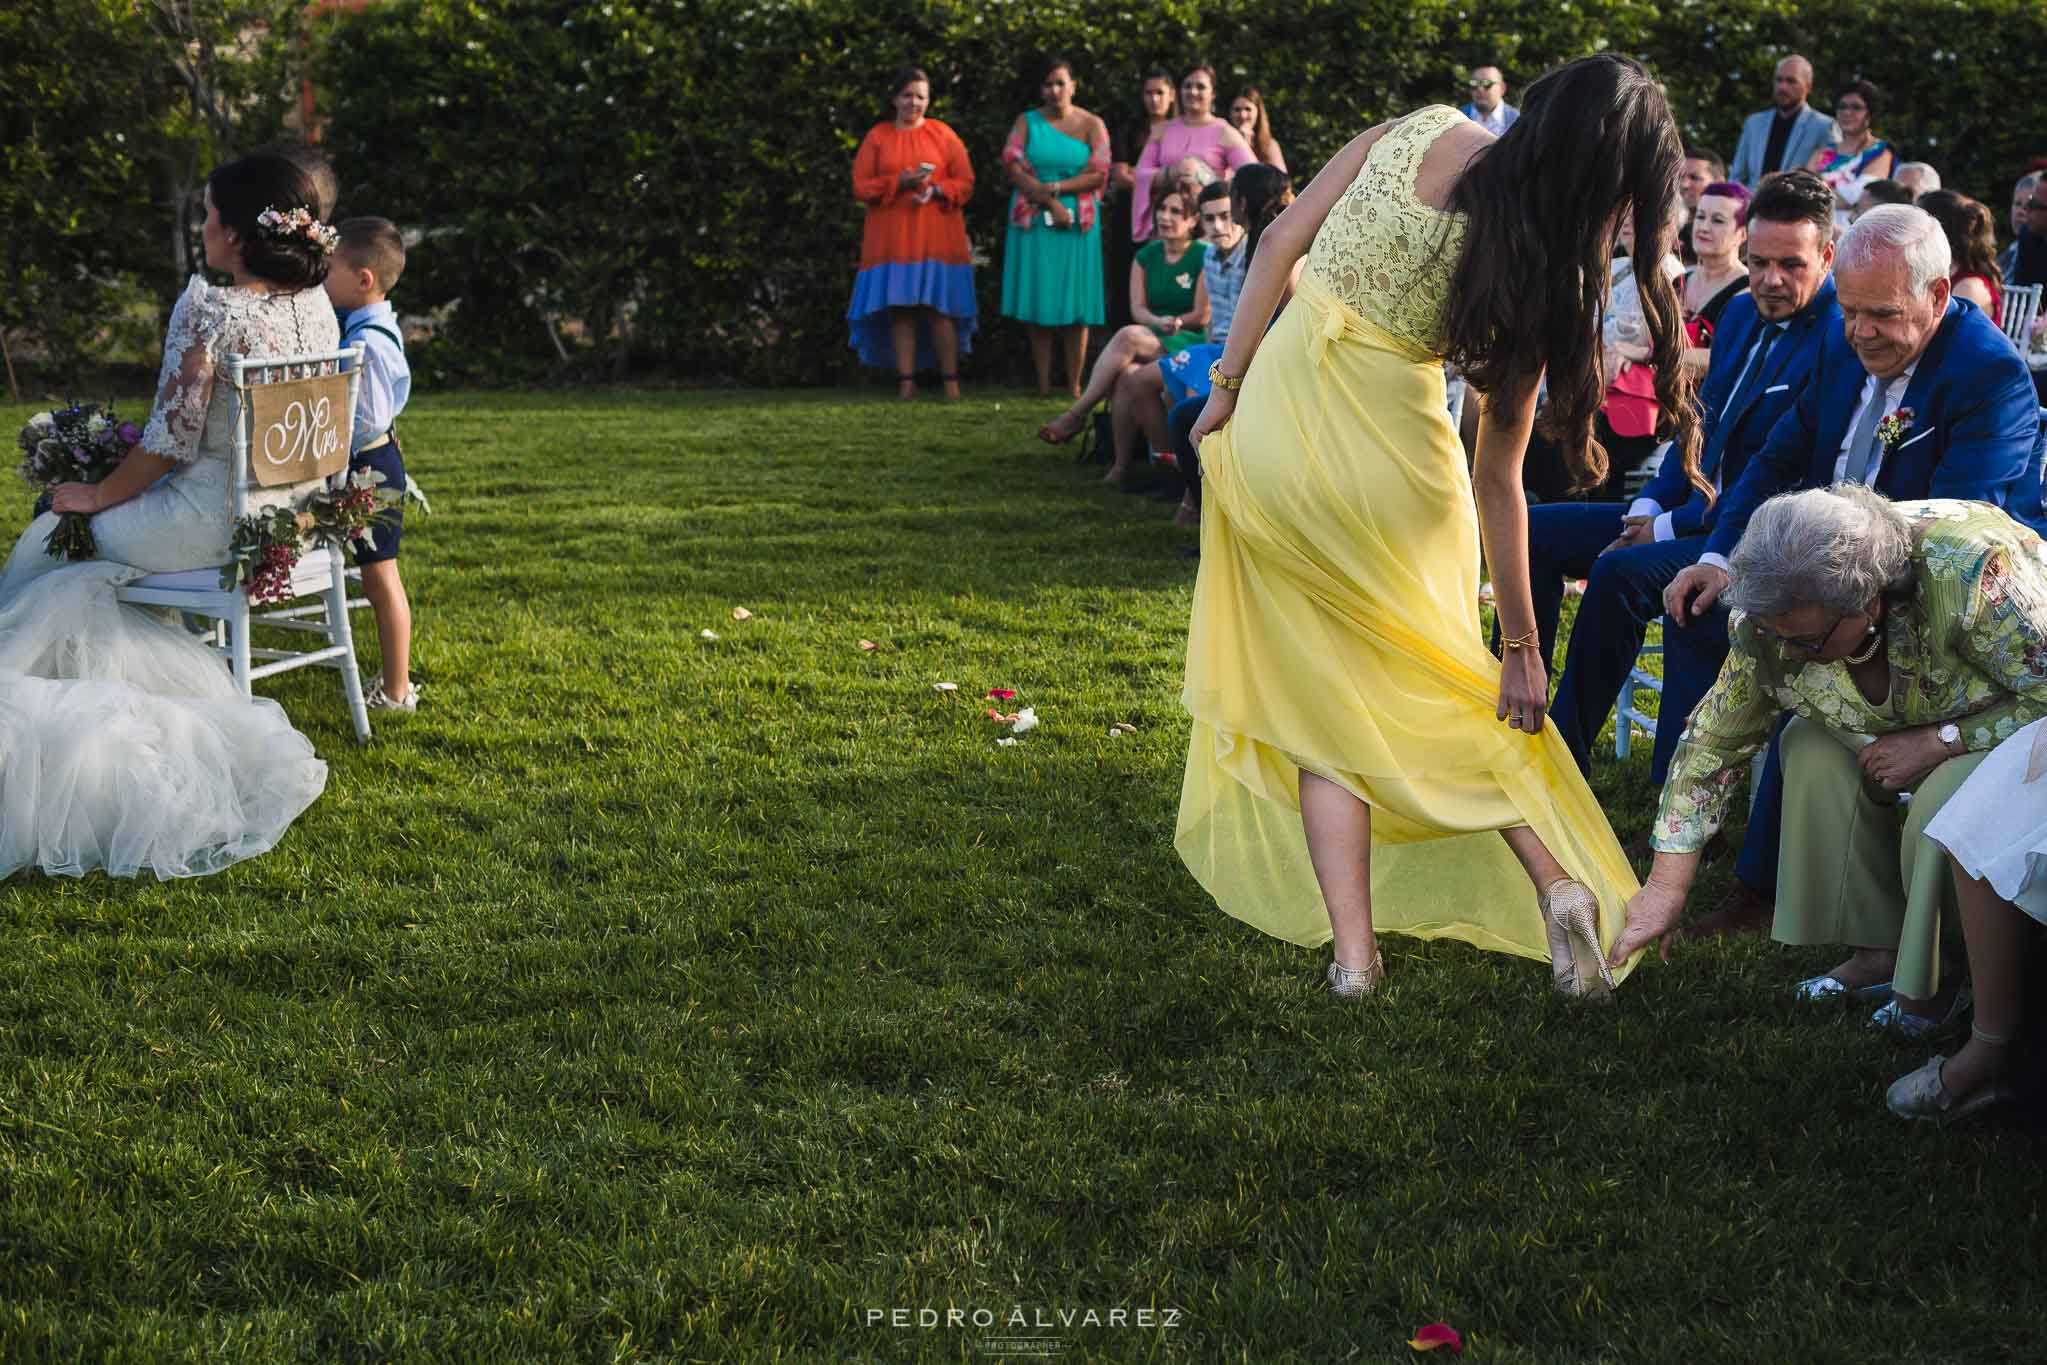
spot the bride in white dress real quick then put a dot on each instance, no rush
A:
(124, 744)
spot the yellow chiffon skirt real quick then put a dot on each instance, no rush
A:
(1336, 628)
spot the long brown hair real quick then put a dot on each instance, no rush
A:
(1595, 139)
(1971, 232)
(1262, 142)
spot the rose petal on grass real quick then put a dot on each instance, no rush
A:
(1002, 694)
(1438, 1334)
(1117, 732)
(1005, 742)
(741, 614)
(1000, 717)
(1026, 721)
(708, 634)
(945, 687)
(868, 646)
(1122, 727)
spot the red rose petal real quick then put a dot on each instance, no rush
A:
(1438, 1334)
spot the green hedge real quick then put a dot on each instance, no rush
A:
(660, 187)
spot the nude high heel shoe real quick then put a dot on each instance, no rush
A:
(1570, 917)
(1347, 984)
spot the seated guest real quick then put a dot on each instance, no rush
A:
(1170, 303)
(1719, 232)
(1701, 168)
(1763, 358)
(1257, 196)
(2029, 253)
(2021, 200)
(1918, 396)
(1972, 241)
(1875, 195)
(1857, 156)
(1917, 178)
(1903, 637)
(1138, 402)
(1994, 831)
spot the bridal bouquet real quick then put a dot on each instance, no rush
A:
(267, 545)
(81, 443)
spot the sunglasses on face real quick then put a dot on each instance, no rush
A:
(2036, 204)
(1483, 85)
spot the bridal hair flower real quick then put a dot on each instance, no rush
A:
(283, 225)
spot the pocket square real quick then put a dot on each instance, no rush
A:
(1920, 437)
(1775, 388)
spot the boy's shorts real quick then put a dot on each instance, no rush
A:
(388, 460)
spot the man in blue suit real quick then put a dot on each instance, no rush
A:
(1784, 137)
(1762, 357)
(1919, 395)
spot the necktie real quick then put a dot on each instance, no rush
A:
(1862, 449)
(1753, 375)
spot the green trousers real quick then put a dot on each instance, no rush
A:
(1856, 867)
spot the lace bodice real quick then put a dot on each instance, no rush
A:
(194, 417)
(1382, 251)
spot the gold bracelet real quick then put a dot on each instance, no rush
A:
(1528, 641)
(1216, 377)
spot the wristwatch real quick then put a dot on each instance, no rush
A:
(1224, 381)
(1950, 737)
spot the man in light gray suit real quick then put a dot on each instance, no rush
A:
(1785, 137)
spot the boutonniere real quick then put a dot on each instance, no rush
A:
(1184, 280)
(1894, 428)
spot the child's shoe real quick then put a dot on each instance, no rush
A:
(377, 699)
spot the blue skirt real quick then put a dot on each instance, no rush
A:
(1186, 372)
(917, 284)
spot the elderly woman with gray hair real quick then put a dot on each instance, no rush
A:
(1908, 639)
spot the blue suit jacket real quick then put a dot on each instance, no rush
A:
(1975, 429)
(1811, 131)
(1728, 439)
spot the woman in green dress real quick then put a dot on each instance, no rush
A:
(1058, 159)
(1170, 302)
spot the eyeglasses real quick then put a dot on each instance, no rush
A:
(1483, 85)
(1803, 644)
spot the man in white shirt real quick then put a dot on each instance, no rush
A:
(1489, 108)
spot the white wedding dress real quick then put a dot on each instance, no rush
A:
(1995, 824)
(124, 744)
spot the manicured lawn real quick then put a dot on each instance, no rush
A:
(653, 997)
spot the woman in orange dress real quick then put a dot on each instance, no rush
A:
(913, 300)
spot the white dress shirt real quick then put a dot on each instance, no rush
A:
(1893, 394)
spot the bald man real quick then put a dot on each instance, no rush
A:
(1785, 136)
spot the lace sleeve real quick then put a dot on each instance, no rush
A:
(184, 387)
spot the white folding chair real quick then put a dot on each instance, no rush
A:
(321, 571)
(2021, 306)
(1626, 715)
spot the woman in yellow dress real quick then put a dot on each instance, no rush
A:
(1349, 773)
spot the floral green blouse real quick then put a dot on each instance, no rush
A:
(1969, 646)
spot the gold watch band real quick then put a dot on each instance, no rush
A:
(1221, 380)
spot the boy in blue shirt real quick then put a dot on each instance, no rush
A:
(367, 263)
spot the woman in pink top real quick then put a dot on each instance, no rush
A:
(1197, 132)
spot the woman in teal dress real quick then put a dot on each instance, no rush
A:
(1058, 159)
